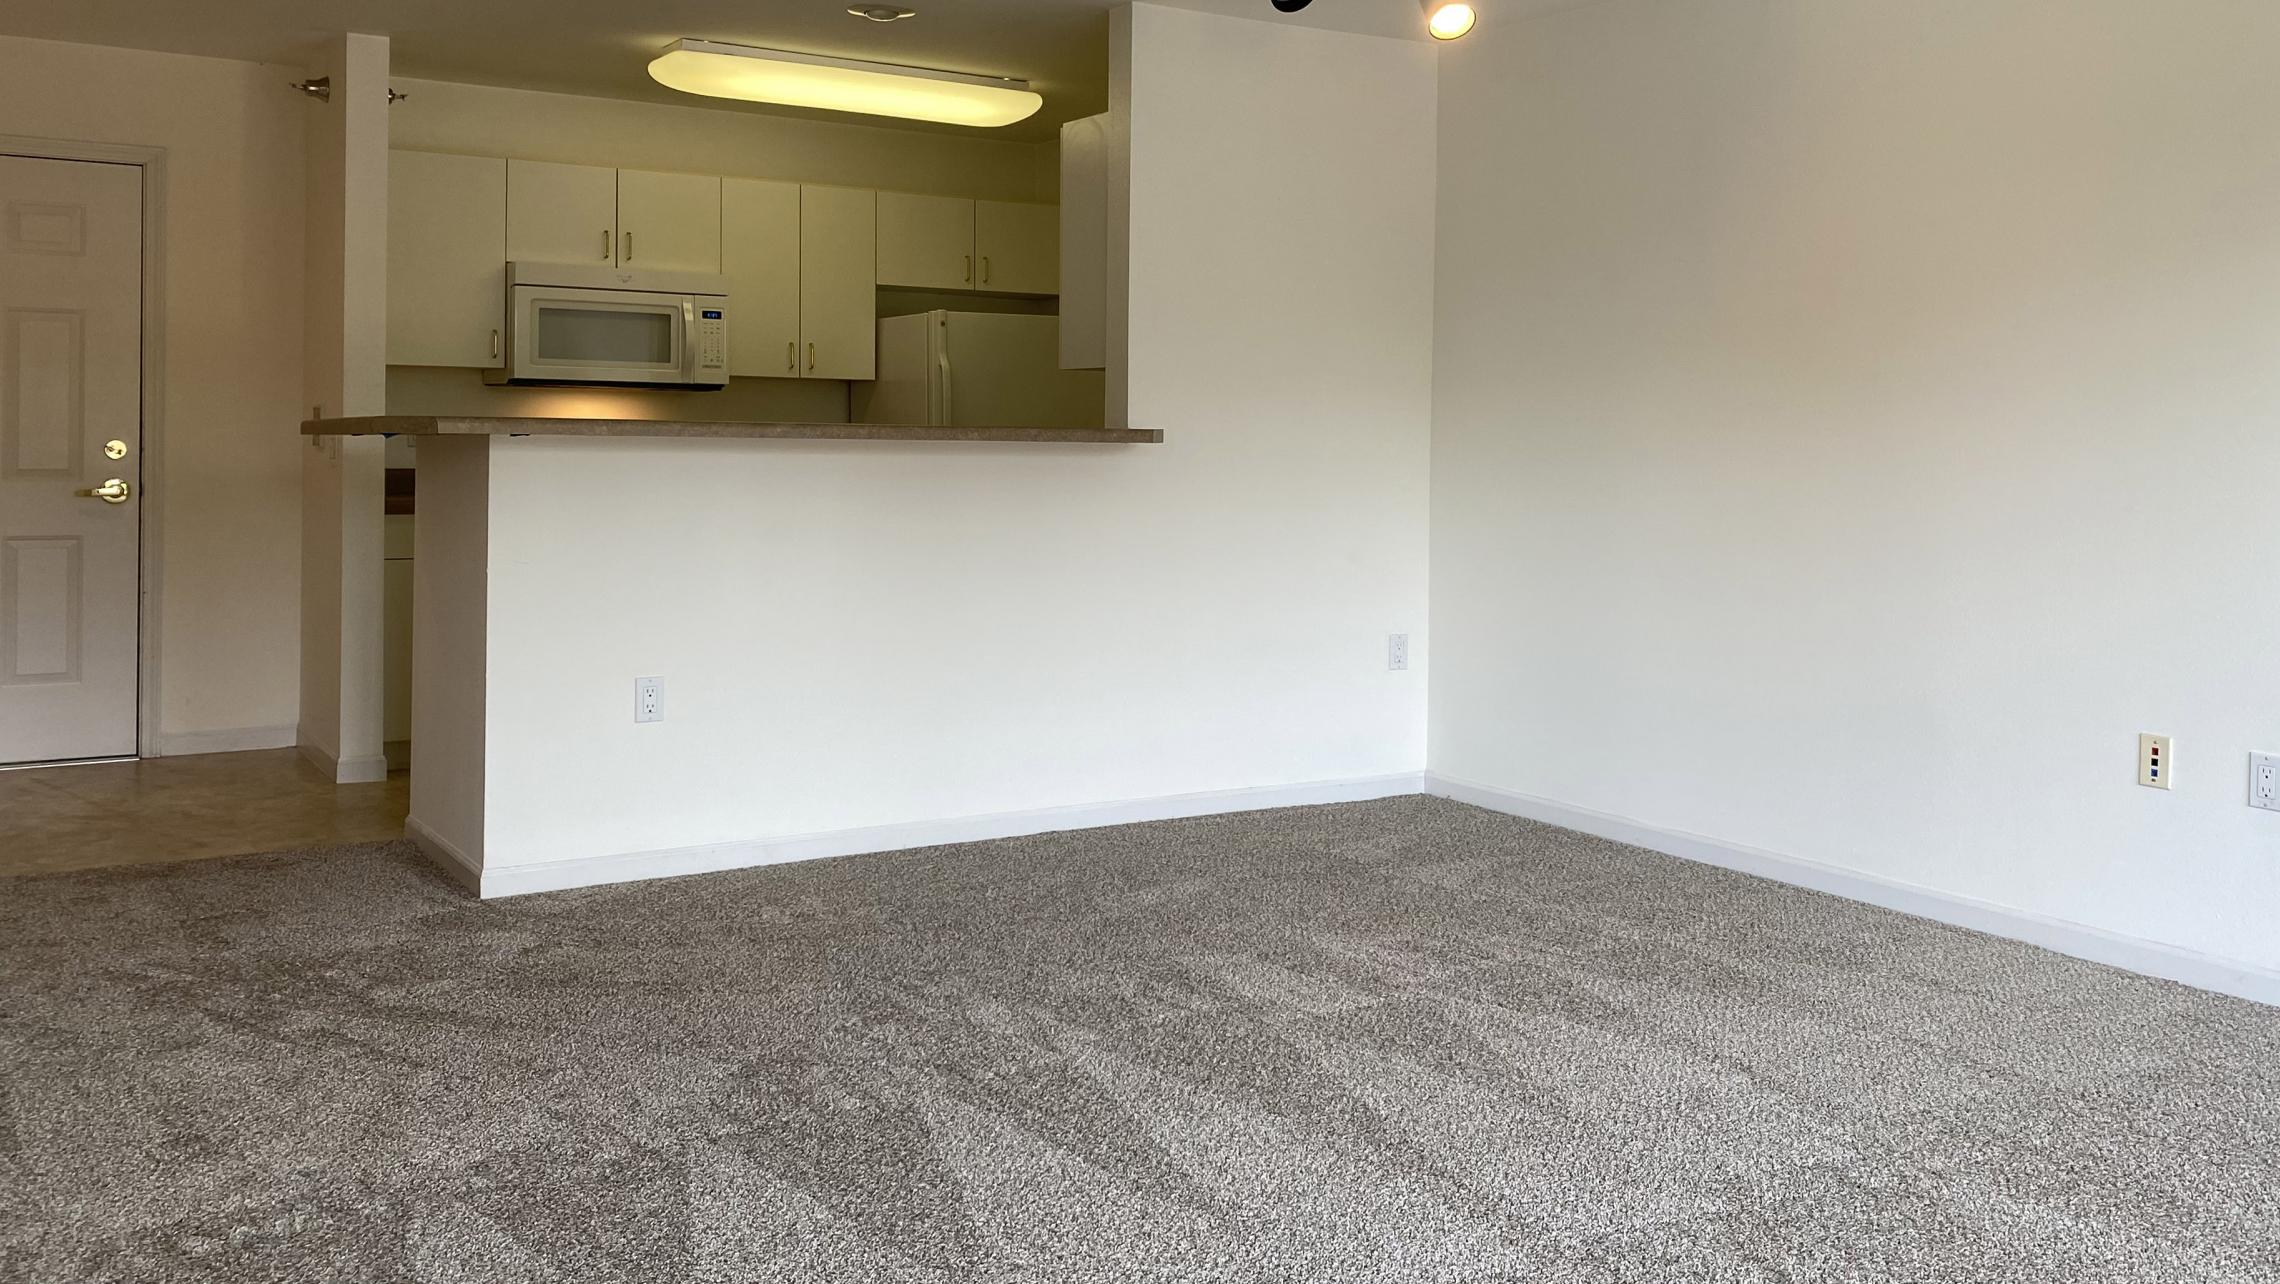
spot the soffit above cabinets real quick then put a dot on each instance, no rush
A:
(602, 48)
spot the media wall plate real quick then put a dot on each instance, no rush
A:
(2156, 761)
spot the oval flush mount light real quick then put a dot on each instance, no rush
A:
(1448, 19)
(1291, 6)
(882, 12)
(780, 76)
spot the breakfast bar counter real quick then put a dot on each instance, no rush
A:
(618, 626)
(504, 426)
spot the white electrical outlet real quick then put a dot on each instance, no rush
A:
(2157, 761)
(1397, 651)
(2264, 781)
(649, 699)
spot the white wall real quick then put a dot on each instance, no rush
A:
(861, 635)
(1854, 423)
(228, 495)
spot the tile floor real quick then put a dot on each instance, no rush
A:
(88, 815)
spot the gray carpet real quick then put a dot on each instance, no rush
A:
(1394, 1041)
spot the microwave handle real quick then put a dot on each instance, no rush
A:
(688, 340)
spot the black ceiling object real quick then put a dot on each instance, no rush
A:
(1291, 6)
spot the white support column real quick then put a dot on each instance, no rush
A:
(345, 367)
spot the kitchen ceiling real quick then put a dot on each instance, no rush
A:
(603, 47)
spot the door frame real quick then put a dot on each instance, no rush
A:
(150, 573)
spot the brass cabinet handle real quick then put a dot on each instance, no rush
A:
(969, 269)
(985, 269)
(791, 354)
(114, 491)
(627, 257)
(811, 356)
(605, 243)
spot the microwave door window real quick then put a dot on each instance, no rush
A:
(605, 336)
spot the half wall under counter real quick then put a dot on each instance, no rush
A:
(797, 605)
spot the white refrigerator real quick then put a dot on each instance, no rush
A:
(977, 370)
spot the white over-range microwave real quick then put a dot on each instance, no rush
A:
(570, 323)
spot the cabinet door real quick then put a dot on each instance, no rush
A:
(926, 242)
(447, 249)
(760, 254)
(668, 221)
(1017, 247)
(561, 213)
(839, 312)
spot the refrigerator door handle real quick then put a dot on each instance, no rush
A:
(942, 363)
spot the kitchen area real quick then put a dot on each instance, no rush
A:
(588, 267)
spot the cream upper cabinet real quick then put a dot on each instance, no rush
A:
(447, 247)
(926, 242)
(839, 321)
(561, 213)
(1017, 247)
(668, 221)
(760, 254)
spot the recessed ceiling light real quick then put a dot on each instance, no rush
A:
(719, 70)
(1448, 19)
(882, 12)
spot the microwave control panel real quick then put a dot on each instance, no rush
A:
(712, 338)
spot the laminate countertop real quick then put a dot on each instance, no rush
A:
(502, 426)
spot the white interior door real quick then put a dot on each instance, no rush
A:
(70, 421)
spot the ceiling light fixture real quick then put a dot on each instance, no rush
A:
(842, 84)
(1448, 19)
(882, 12)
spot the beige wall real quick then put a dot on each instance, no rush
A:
(484, 121)
(227, 496)
(1855, 423)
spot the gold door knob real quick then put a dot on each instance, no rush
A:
(114, 491)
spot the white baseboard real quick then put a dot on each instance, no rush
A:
(346, 771)
(175, 744)
(551, 876)
(463, 869)
(2149, 958)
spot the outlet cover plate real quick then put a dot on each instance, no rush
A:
(2264, 781)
